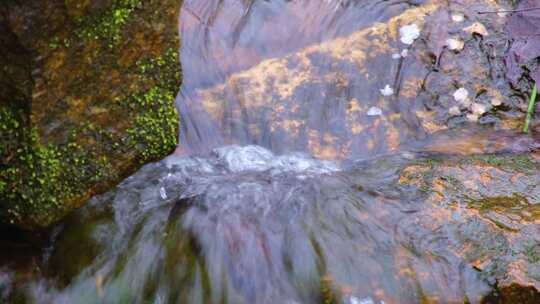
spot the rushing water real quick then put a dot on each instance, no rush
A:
(281, 192)
(305, 99)
(246, 226)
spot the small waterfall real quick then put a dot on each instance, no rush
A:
(288, 184)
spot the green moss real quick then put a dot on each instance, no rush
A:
(9, 131)
(430, 173)
(155, 128)
(328, 294)
(154, 131)
(42, 178)
(106, 26)
(54, 43)
(39, 181)
(531, 252)
(515, 204)
(425, 177)
(512, 162)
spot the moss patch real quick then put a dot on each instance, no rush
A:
(103, 105)
(39, 179)
(508, 162)
(155, 130)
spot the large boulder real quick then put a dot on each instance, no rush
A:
(87, 92)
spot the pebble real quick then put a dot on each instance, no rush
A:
(409, 33)
(374, 111)
(387, 91)
(461, 95)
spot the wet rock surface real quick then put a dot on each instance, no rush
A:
(523, 28)
(86, 97)
(490, 205)
(364, 92)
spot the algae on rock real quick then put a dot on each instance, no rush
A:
(86, 97)
(491, 204)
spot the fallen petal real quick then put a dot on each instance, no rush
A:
(478, 109)
(455, 44)
(496, 102)
(461, 95)
(409, 33)
(374, 111)
(387, 91)
(457, 17)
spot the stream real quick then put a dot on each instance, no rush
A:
(287, 185)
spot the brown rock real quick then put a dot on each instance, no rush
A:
(86, 96)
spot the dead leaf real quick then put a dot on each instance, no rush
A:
(523, 30)
(477, 28)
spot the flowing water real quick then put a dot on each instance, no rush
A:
(283, 188)
(306, 84)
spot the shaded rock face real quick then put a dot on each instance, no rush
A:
(86, 96)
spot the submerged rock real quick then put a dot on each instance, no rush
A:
(86, 97)
(318, 98)
(489, 206)
(245, 225)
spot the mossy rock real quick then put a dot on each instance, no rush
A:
(491, 205)
(87, 96)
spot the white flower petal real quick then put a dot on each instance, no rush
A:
(409, 33)
(461, 95)
(496, 102)
(387, 91)
(374, 111)
(478, 109)
(458, 17)
(454, 44)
